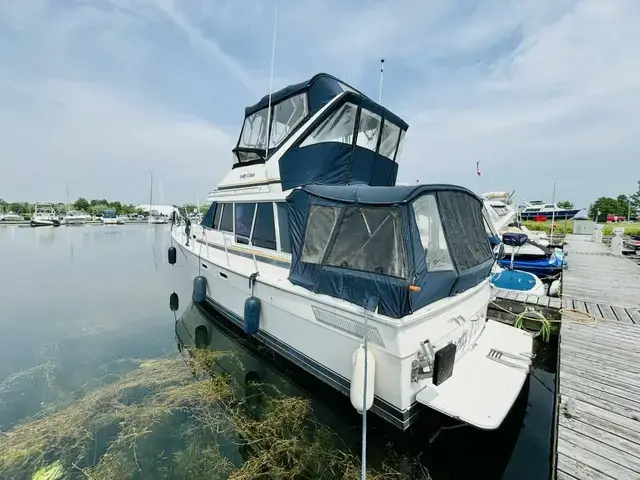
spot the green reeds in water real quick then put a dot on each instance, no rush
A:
(179, 418)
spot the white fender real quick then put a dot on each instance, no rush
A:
(357, 378)
(554, 288)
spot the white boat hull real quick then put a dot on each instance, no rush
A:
(321, 333)
(39, 222)
(74, 221)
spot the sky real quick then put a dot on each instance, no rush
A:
(96, 94)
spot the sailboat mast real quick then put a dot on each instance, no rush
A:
(66, 186)
(151, 194)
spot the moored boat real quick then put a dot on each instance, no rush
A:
(539, 209)
(11, 217)
(44, 216)
(310, 247)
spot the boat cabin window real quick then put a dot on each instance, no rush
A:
(501, 210)
(217, 216)
(389, 141)
(244, 221)
(322, 220)
(226, 224)
(369, 130)
(436, 249)
(462, 221)
(208, 219)
(283, 227)
(338, 127)
(264, 229)
(251, 220)
(287, 115)
(369, 239)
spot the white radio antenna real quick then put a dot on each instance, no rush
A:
(381, 75)
(273, 57)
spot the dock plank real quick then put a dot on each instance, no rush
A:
(622, 314)
(634, 313)
(607, 312)
(598, 385)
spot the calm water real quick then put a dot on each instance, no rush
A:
(82, 307)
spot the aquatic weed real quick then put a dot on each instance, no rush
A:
(115, 431)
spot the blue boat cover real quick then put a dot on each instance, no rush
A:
(334, 162)
(514, 239)
(355, 242)
(514, 280)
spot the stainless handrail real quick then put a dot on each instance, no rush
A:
(253, 253)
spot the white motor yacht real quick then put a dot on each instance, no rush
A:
(156, 218)
(75, 217)
(310, 247)
(109, 217)
(538, 208)
(11, 217)
(45, 216)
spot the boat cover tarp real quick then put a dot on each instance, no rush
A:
(335, 163)
(354, 242)
(514, 239)
(339, 163)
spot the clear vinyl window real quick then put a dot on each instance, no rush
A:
(338, 127)
(370, 239)
(320, 224)
(436, 249)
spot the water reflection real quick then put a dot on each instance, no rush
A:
(519, 449)
(90, 378)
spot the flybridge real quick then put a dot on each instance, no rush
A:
(321, 131)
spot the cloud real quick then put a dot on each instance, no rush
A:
(537, 91)
(100, 142)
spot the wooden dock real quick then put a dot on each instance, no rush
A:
(598, 407)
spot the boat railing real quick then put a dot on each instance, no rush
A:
(253, 253)
(225, 238)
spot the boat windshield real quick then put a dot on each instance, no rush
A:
(109, 214)
(286, 115)
(493, 215)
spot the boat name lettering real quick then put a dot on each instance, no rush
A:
(244, 176)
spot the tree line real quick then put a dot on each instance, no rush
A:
(93, 207)
(622, 205)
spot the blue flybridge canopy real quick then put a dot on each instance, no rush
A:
(408, 246)
(355, 140)
(321, 89)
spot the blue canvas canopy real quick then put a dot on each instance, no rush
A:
(355, 242)
(356, 140)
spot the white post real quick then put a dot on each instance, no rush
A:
(381, 75)
(273, 57)
(553, 214)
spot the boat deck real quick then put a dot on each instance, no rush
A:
(598, 416)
